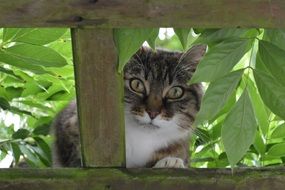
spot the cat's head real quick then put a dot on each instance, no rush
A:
(156, 90)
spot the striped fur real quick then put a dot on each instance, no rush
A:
(157, 127)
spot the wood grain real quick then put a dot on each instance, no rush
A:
(143, 13)
(99, 98)
(143, 179)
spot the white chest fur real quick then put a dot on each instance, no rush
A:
(142, 142)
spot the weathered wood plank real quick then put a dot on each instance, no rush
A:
(143, 13)
(142, 179)
(99, 96)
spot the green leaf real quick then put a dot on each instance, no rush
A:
(32, 88)
(16, 151)
(21, 134)
(29, 154)
(44, 147)
(238, 131)
(5, 146)
(35, 104)
(19, 110)
(216, 130)
(277, 150)
(275, 36)
(41, 156)
(128, 41)
(14, 92)
(38, 36)
(259, 65)
(9, 33)
(63, 47)
(205, 152)
(271, 92)
(182, 34)
(152, 37)
(62, 96)
(273, 59)
(36, 55)
(217, 95)
(200, 30)
(3, 94)
(203, 136)
(4, 104)
(52, 90)
(279, 132)
(222, 160)
(3, 155)
(43, 129)
(259, 144)
(214, 36)
(14, 61)
(226, 108)
(259, 108)
(9, 72)
(220, 60)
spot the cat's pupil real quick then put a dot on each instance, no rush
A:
(175, 93)
(138, 85)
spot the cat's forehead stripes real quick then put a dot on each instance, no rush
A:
(160, 65)
(153, 66)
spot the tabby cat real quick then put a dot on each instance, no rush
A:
(159, 110)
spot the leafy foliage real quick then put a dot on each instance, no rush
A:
(259, 92)
(220, 60)
(183, 34)
(128, 41)
(241, 120)
(217, 95)
(239, 129)
(36, 75)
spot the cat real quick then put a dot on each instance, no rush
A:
(159, 111)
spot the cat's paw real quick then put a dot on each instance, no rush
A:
(170, 162)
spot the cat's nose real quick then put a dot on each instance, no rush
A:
(152, 114)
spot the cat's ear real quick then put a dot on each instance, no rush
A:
(143, 50)
(190, 59)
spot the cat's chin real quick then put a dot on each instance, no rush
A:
(150, 126)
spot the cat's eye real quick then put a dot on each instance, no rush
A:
(175, 92)
(137, 85)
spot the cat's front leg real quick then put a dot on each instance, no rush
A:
(170, 162)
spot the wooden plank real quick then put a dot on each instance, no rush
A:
(143, 13)
(99, 97)
(143, 179)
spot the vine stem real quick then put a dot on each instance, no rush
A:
(250, 67)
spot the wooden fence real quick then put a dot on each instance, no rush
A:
(100, 89)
